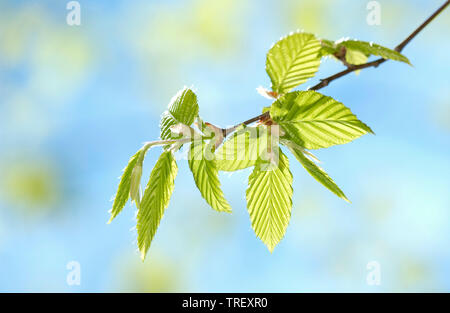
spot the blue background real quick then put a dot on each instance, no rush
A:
(77, 101)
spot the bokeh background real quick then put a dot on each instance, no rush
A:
(77, 101)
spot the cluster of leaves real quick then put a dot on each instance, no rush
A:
(356, 52)
(298, 120)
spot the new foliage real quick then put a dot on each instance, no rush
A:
(298, 120)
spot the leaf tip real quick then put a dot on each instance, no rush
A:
(369, 130)
(112, 216)
(143, 254)
(407, 61)
(270, 248)
(221, 209)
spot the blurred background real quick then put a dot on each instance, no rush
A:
(77, 101)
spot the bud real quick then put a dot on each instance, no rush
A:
(266, 93)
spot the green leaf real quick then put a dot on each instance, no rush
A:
(243, 149)
(315, 121)
(123, 192)
(355, 57)
(318, 173)
(203, 167)
(292, 61)
(155, 200)
(183, 108)
(328, 47)
(269, 201)
(369, 48)
(135, 185)
(167, 121)
(356, 49)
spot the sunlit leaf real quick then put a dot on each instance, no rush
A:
(355, 49)
(135, 185)
(269, 201)
(315, 121)
(318, 173)
(328, 47)
(123, 192)
(292, 61)
(369, 48)
(242, 149)
(183, 108)
(203, 167)
(155, 200)
(355, 57)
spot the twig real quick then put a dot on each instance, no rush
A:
(326, 81)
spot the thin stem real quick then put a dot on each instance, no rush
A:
(326, 81)
(400, 47)
(150, 144)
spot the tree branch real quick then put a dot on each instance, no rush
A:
(326, 81)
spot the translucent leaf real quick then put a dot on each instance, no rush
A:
(155, 200)
(206, 176)
(123, 192)
(242, 149)
(315, 121)
(369, 48)
(318, 173)
(357, 49)
(328, 47)
(183, 108)
(167, 121)
(135, 186)
(269, 201)
(292, 61)
(355, 57)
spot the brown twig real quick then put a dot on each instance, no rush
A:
(326, 81)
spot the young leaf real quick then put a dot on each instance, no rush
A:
(183, 108)
(318, 173)
(155, 200)
(369, 48)
(242, 150)
(206, 176)
(292, 61)
(123, 192)
(135, 185)
(315, 121)
(355, 57)
(269, 201)
(328, 47)
(356, 49)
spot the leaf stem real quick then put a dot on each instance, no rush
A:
(326, 81)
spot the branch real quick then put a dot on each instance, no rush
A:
(326, 81)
